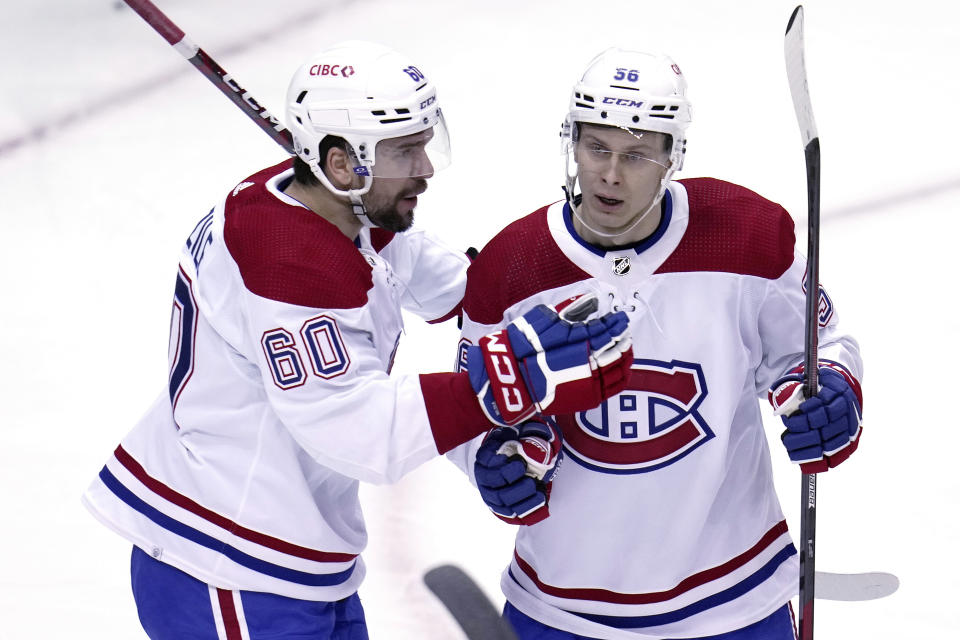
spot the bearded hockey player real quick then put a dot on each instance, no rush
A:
(238, 488)
(663, 521)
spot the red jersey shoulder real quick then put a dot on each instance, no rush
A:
(288, 253)
(734, 230)
(520, 261)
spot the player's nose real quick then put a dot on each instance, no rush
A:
(424, 166)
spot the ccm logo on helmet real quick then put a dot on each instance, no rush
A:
(622, 102)
(344, 71)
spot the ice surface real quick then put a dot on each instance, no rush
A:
(111, 147)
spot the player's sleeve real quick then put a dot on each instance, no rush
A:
(464, 455)
(334, 398)
(434, 275)
(782, 315)
(471, 331)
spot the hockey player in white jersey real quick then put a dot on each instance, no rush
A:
(663, 521)
(238, 488)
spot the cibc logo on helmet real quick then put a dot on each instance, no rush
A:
(344, 71)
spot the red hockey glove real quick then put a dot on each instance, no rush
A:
(550, 362)
(824, 430)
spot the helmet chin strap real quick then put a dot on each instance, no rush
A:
(359, 208)
(575, 201)
(355, 195)
(576, 213)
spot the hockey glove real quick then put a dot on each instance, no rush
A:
(515, 467)
(824, 430)
(551, 361)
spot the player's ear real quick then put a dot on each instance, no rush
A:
(338, 168)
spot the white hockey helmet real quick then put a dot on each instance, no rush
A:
(632, 90)
(364, 93)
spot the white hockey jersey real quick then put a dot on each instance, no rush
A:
(244, 472)
(663, 519)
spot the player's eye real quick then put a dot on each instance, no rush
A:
(598, 150)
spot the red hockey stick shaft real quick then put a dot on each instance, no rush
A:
(213, 72)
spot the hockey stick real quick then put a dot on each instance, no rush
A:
(797, 78)
(855, 587)
(479, 619)
(468, 605)
(213, 72)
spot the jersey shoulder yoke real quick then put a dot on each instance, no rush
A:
(520, 261)
(732, 229)
(288, 253)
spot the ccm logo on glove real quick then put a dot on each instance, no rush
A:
(550, 362)
(505, 370)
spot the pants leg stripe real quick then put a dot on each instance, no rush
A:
(225, 615)
(793, 620)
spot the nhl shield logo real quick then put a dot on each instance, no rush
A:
(621, 265)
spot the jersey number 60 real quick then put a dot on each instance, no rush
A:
(325, 349)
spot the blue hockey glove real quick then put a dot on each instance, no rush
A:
(515, 467)
(551, 360)
(824, 430)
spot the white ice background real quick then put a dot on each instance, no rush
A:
(112, 146)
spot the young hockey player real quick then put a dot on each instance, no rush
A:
(663, 521)
(238, 488)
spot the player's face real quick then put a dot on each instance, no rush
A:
(619, 174)
(400, 175)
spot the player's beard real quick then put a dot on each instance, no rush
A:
(390, 219)
(386, 215)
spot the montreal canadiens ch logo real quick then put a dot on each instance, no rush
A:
(824, 304)
(649, 425)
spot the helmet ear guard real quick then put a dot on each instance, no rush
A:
(634, 91)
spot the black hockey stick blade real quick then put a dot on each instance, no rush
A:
(467, 603)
